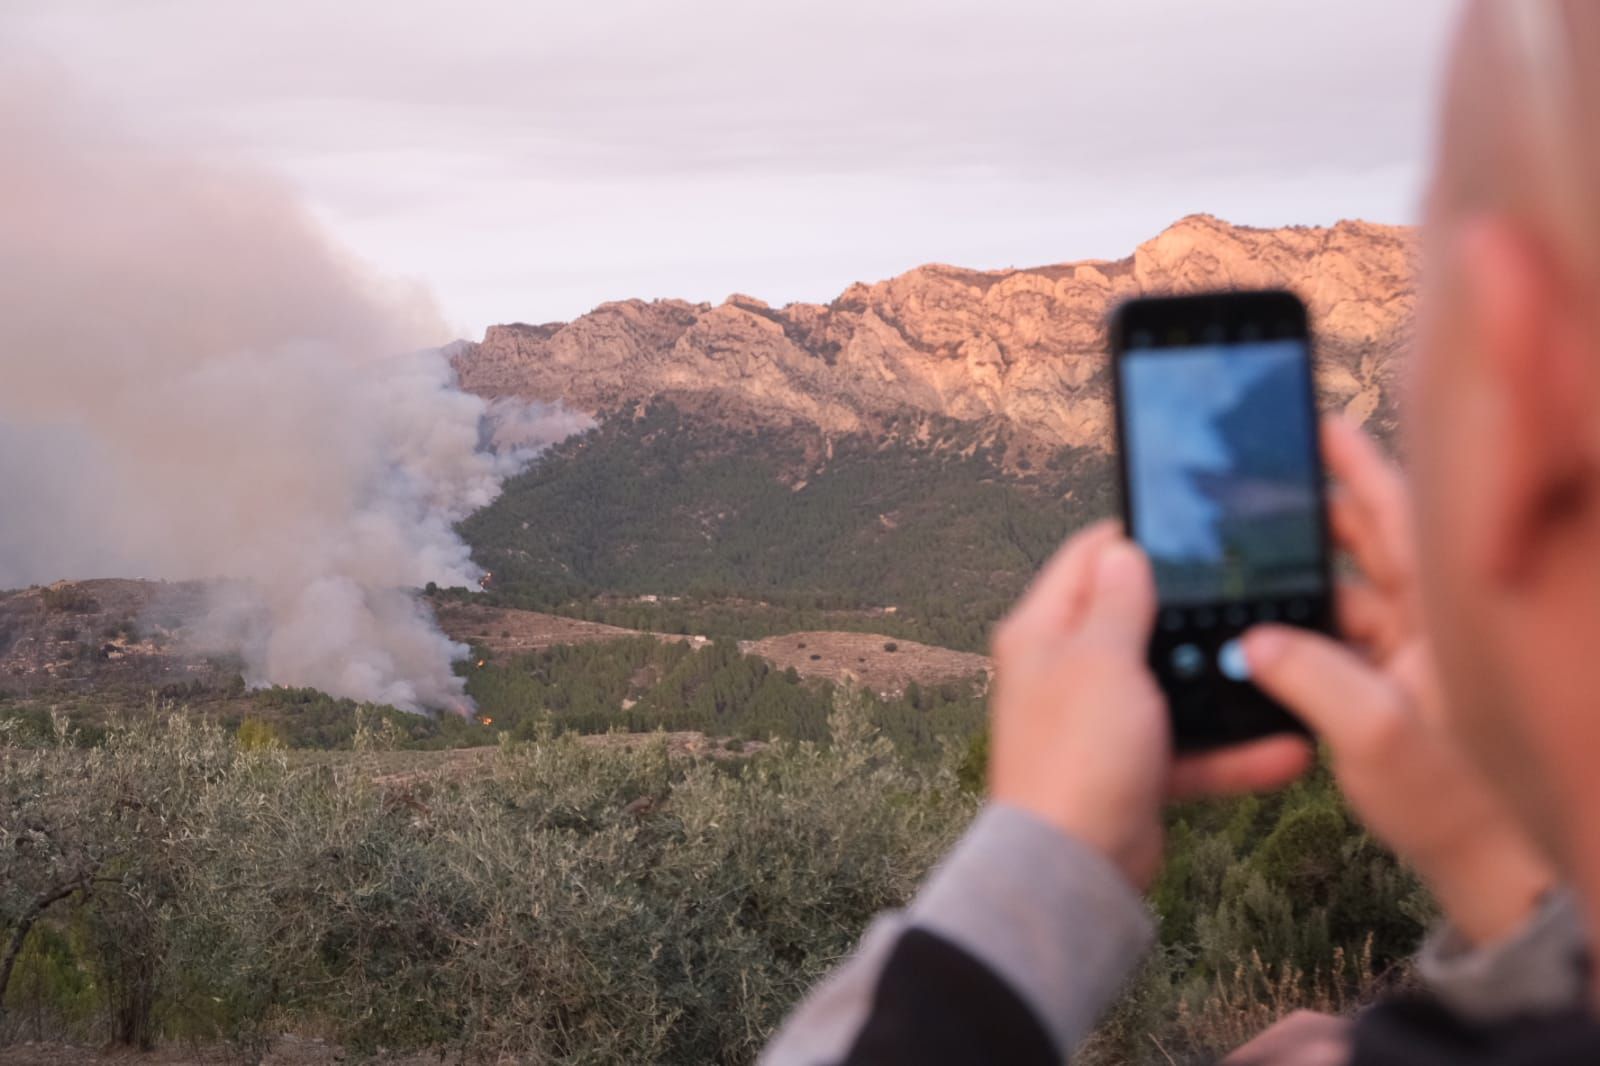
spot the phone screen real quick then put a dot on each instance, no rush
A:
(1223, 478)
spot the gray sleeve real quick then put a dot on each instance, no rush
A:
(1539, 970)
(822, 1029)
(1050, 916)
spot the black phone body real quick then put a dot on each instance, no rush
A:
(1223, 487)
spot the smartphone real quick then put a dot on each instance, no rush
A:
(1222, 485)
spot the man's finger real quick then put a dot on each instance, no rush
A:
(1122, 598)
(1375, 487)
(1058, 593)
(1340, 696)
(1365, 615)
(1259, 766)
(1355, 531)
(1357, 461)
(1347, 520)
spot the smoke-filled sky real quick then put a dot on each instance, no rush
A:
(529, 160)
(195, 382)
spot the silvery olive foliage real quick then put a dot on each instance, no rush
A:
(560, 901)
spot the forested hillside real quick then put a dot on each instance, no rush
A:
(750, 531)
(919, 443)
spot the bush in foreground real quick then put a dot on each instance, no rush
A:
(564, 900)
(571, 902)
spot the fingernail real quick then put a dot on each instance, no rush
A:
(1263, 646)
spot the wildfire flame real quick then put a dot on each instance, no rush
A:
(480, 663)
(488, 576)
(484, 719)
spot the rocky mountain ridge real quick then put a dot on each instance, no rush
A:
(1020, 348)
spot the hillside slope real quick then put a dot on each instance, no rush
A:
(125, 639)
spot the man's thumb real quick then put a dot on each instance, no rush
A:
(1122, 606)
(1327, 686)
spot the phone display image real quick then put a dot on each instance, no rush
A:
(1222, 471)
(1223, 489)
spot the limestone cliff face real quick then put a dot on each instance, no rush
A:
(1025, 348)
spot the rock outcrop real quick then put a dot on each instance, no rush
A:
(1024, 347)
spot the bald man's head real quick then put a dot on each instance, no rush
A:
(1503, 417)
(1521, 123)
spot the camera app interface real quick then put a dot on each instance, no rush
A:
(1221, 471)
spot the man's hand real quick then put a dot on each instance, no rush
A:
(1080, 730)
(1378, 708)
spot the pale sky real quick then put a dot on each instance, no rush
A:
(528, 160)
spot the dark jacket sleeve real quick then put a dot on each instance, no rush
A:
(1420, 1032)
(935, 1003)
(1007, 955)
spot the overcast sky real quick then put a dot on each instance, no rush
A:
(529, 159)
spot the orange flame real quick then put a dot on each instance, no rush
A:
(480, 663)
(484, 719)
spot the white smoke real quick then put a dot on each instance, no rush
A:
(195, 383)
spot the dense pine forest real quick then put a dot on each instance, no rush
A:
(750, 532)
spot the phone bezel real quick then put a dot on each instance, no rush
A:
(1224, 317)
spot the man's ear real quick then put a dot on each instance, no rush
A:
(1538, 395)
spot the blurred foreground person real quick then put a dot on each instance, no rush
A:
(1461, 719)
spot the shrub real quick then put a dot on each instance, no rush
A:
(71, 599)
(104, 830)
(559, 899)
(537, 909)
(255, 734)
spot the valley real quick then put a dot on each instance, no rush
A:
(96, 650)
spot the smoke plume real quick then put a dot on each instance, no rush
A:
(195, 383)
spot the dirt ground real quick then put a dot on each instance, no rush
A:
(286, 1051)
(504, 630)
(866, 659)
(97, 634)
(83, 643)
(830, 655)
